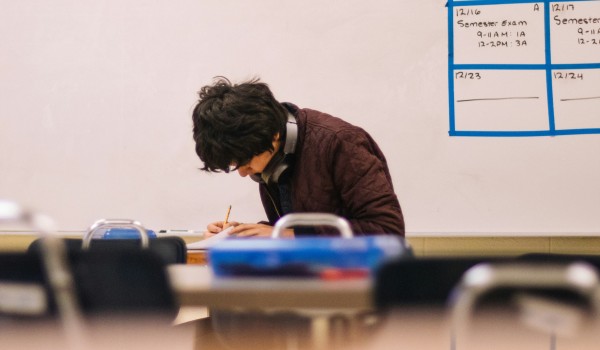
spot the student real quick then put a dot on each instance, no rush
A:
(304, 160)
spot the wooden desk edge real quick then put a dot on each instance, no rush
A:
(195, 286)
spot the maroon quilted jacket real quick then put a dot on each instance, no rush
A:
(340, 169)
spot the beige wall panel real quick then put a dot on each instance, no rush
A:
(473, 246)
(575, 245)
(417, 244)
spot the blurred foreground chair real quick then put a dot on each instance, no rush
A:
(114, 283)
(481, 303)
(77, 288)
(411, 298)
(122, 276)
(526, 304)
(420, 282)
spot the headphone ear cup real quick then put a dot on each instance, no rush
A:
(279, 169)
(281, 160)
(291, 135)
(272, 171)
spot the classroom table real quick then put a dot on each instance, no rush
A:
(195, 285)
(322, 301)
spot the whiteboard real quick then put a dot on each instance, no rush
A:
(509, 56)
(96, 100)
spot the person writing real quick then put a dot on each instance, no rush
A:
(303, 160)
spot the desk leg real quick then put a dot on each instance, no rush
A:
(320, 332)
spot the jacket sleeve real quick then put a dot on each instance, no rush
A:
(362, 179)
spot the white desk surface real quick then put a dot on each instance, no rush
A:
(195, 285)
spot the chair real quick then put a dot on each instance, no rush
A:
(58, 280)
(101, 299)
(536, 302)
(591, 259)
(77, 283)
(420, 282)
(122, 282)
(172, 250)
(122, 276)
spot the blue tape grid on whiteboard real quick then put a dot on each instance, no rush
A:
(548, 67)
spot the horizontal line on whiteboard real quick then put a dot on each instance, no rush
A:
(498, 98)
(575, 66)
(542, 66)
(476, 133)
(501, 133)
(490, 2)
(580, 98)
(501, 66)
(453, 3)
(577, 131)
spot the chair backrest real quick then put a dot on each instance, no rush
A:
(54, 287)
(24, 291)
(123, 282)
(420, 282)
(172, 249)
(544, 302)
(591, 259)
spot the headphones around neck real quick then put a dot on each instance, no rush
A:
(280, 161)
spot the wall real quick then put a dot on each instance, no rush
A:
(96, 98)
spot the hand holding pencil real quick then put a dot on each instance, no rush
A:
(243, 230)
(218, 226)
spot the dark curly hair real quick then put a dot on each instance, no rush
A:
(235, 122)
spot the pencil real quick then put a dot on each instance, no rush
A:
(227, 216)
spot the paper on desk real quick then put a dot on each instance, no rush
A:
(209, 242)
